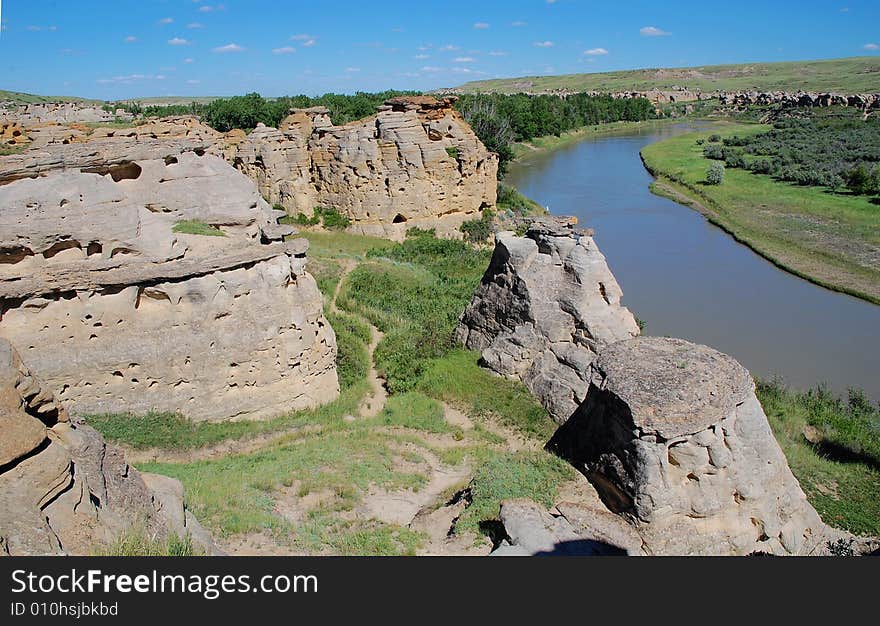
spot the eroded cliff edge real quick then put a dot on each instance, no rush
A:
(118, 309)
(670, 434)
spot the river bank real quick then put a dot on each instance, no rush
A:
(688, 278)
(542, 145)
(829, 239)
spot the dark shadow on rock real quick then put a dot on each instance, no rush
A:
(584, 547)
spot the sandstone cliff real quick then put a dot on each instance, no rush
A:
(546, 306)
(63, 490)
(117, 312)
(415, 164)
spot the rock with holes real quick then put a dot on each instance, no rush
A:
(545, 307)
(415, 164)
(675, 441)
(64, 490)
(161, 284)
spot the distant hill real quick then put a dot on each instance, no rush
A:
(852, 75)
(27, 98)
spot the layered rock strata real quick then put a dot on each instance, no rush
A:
(415, 164)
(63, 489)
(119, 310)
(545, 308)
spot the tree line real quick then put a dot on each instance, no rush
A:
(501, 120)
(498, 120)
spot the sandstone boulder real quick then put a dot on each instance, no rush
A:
(675, 441)
(546, 306)
(64, 490)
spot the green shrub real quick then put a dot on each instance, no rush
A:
(414, 410)
(715, 174)
(136, 542)
(479, 230)
(714, 138)
(453, 152)
(352, 359)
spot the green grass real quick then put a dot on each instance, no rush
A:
(335, 245)
(533, 475)
(414, 292)
(26, 98)
(416, 411)
(17, 149)
(458, 379)
(136, 542)
(846, 493)
(197, 227)
(825, 237)
(849, 75)
(512, 203)
(352, 339)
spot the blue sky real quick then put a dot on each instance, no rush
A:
(126, 49)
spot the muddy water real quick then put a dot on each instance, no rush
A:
(687, 278)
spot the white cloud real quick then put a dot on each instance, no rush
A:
(284, 50)
(449, 48)
(871, 46)
(422, 57)
(193, 81)
(230, 47)
(653, 31)
(481, 25)
(37, 29)
(195, 25)
(130, 39)
(431, 68)
(352, 69)
(544, 44)
(498, 53)
(464, 59)
(189, 61)
(178, 41)
(166, 20)
(595, 52)
(307, 40)
(519, 24)
(208, 8)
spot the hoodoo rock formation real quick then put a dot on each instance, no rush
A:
(416, 163)
(119, 312)
(545, 308)
(675, 441)
(63, 490)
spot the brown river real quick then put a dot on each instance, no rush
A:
(686, 278)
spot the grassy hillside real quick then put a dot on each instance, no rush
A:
(27, 98)
(852, 75)
(825, 237)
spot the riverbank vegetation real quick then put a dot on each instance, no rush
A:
(833, 148)
(832, 447)
(814, 232)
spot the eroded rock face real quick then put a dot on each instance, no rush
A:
(415, 164)
(63, 490)
(674, 439)
(118, 313)
(546, 306)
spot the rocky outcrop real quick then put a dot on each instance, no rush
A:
(416, 163)
(673, 438)
(58, 146)
(545, 308)
(63, 489)
(865, 101)
(119, 312)
(58, 112)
